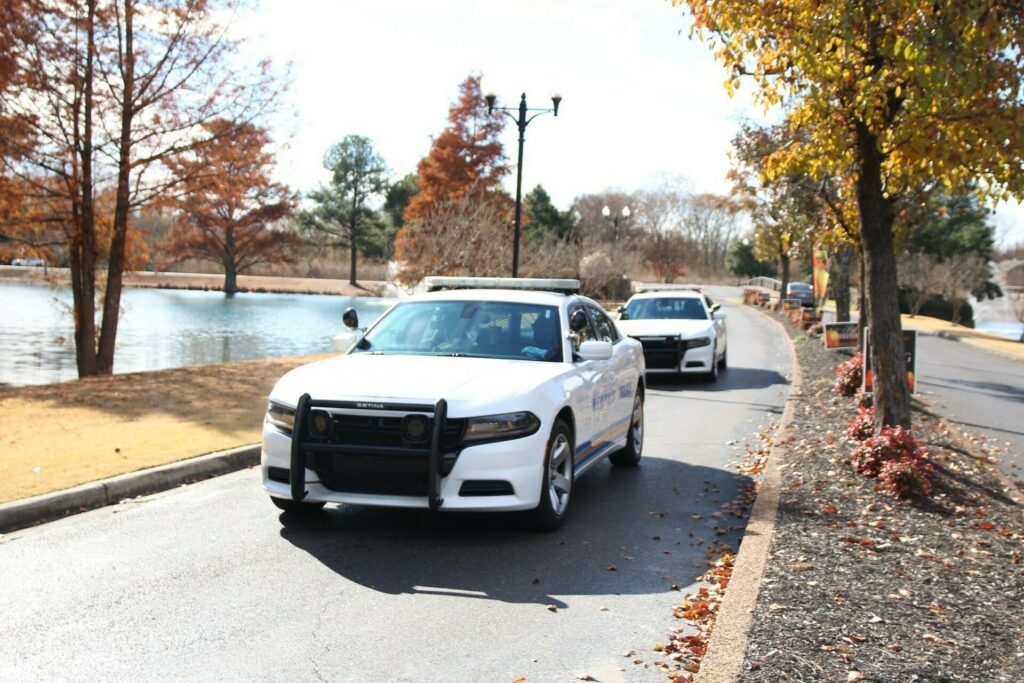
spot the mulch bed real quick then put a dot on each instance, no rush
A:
(862, 586)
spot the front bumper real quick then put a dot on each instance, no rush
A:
(502, 475)
(670, 355)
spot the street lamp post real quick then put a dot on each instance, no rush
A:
(607, 213)
(521, 122)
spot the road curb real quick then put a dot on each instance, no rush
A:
(727, 646)
(49, 506)
(976, 343)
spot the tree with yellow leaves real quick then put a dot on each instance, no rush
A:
(896, 91)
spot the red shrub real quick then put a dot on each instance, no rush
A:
(849, 375)
(906, 478)
(891, 443)
(862, 426)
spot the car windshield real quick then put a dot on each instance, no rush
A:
(481, 329)
(799, 287)
(671, 308)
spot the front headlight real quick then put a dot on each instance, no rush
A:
(500, 427)
(281, 417)
(697, 343)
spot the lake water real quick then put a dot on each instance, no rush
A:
(165, 328)
(1010, 330)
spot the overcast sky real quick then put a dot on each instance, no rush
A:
(642, 103)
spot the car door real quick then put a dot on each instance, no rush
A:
(718, 320)
(591, 404)
(619, 382)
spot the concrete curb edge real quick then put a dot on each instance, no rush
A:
(26, 512)
(727, 646)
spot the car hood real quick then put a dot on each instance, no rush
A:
(467, 384)
(666, 327)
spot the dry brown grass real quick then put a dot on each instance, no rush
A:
(60, 435)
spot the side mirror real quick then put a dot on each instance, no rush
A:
(715, 307)
(578, 320)
(595, 350)
(622, 313)
(350, 318)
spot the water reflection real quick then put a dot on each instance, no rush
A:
(168, 328)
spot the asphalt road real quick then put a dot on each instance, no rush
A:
(981, 391)
(210, 582)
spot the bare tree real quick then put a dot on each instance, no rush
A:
(111, 88)
(921, 276)
(466, 236)
(960, 275)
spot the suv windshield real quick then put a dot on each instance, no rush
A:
(482, 329)
(670, 308)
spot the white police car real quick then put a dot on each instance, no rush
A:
(464, 399)
(680, 329)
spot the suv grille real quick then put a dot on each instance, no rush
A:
(661, 353)
(369, 454)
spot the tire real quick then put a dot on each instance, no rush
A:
(556, 483)
(713, 374)
(289, 505)
(630, 455)
(723, 363)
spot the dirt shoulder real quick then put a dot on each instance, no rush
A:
(203, 281)
(60, 435)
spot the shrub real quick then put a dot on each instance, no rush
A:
(862, 426)
(891, 443)
(864, 399)
(850, 375)
(905, 478)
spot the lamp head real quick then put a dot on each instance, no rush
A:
(556, 100)
(625, 212)
(490, 98)
(606, 211)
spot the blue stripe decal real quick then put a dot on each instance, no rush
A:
(600, 446)
(594, 453)
(598, 438)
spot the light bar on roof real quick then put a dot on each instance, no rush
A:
(563, 286)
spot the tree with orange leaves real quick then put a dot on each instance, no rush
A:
(466, 158)
(106, 91)
(230, 209)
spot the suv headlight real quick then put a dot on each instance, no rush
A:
(697, 343)
(501, 427)
(281, 417)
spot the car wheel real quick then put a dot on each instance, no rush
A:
(722, 362)
(289, 505)
(556, 485)
(630, 455)
(713, 374)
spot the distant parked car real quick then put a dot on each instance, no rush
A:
(802, 291)
(36, 262)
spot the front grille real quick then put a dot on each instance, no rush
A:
(661, 353)
(372, 454)
(486, 488)
(385, 431)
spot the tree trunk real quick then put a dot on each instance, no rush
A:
(83, 229)
(862, 300)
(352, 265)
(841, 289)
(230, 263)
(230, 279)
(891, 393)
(115, 267)
(784, 268)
